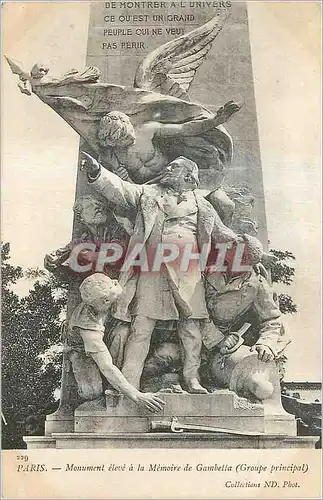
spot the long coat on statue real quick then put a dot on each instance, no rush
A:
(142, 199)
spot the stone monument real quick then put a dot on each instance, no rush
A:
(169, 173)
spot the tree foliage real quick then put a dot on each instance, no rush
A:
(30, 326)
(283, 272)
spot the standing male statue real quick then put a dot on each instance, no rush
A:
(174, 212)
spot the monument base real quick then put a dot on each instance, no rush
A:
(221, 409)
(87, 440)
(218, 420)
(59, 422)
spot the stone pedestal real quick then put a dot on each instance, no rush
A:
(115, 422)
(222, 408)
(87, 440)
(59, 422)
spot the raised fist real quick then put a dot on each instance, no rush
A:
(53, 260)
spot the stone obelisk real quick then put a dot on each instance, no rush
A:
(120, 35)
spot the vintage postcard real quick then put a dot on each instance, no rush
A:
(161, 179)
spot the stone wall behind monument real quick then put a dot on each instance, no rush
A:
(225, 74)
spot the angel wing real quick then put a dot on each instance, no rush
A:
(170, 69)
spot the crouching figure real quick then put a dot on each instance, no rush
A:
(245, 336)
(89, 355)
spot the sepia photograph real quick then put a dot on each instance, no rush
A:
(161, 258)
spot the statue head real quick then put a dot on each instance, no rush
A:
(181, 174)
(100, 291)
(38, 71)
(252, 253)
(90, 210)
(253, 250)
(116, 130)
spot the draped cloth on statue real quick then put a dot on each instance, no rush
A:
(82, 105)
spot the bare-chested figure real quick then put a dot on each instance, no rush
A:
(143, 150)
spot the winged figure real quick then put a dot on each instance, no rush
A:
(170, 69)
(135, 131)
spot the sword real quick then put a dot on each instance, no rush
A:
(176, 427)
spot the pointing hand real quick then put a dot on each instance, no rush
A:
(89, 163)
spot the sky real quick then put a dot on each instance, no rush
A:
(39, 150)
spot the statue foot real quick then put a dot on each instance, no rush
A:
(173, 389)
(177, 389)
(194, 387)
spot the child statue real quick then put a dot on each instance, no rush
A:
(86, 326)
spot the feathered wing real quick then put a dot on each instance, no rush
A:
(170, 69)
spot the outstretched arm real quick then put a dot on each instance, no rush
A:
(198, 127)
(121, 193)
(118, 381)
(221, 233)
